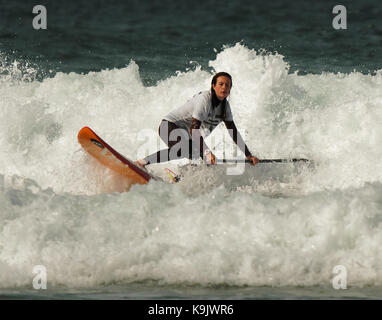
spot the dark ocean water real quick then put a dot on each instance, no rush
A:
(165, 36)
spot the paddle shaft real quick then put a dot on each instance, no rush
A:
(177, 178)
(261, 160)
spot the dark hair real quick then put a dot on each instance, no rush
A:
(220, 74)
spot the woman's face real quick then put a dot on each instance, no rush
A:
(222, 87)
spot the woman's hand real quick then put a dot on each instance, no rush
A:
(253, 160)
(210, 158)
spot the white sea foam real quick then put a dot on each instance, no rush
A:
(277, 224)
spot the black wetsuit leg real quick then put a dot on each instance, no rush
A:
(178, 142)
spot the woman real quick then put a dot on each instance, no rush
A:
(180, 129)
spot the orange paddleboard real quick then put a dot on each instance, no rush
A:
(110, 158)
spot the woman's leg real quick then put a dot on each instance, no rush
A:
(177, 140)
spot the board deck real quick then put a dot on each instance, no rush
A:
(111, 159)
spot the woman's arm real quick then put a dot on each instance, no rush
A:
(197, 137)
(236, 137)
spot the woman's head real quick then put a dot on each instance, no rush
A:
(221, 84)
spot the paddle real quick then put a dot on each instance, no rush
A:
(262, 160)
(176, 178)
